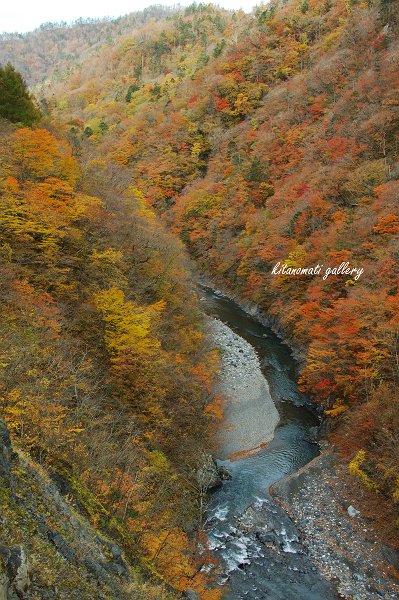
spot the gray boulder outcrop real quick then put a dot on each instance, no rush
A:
(14, 578)
(208, 476)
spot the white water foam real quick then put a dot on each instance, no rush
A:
(287, 542)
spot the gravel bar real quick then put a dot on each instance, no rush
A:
(250, 416)
(344, 547)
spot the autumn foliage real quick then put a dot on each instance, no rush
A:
(263, 138)
(103, 357)
(259, 138)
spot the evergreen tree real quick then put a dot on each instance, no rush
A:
(16, 104)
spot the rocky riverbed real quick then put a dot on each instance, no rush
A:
(250, 416)
(263, 557)
(257, 546)
(338, 538)
(300, 542)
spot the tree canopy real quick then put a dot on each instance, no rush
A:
(16, 103)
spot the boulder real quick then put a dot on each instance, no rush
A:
(352, 512)
(224, 474)
(208, 476)
(313, 434)
(266, 538)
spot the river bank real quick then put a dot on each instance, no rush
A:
(250, 416)
(344, 547)
(256, 545)
(252, 309)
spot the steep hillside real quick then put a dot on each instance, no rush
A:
(274, 138)
(53, 50)
(265, 139)
(105, 371)
(48, 550)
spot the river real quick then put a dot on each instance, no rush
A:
(259, 548)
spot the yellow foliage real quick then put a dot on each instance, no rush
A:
(337, 409)
(127, 324)
(196, 149)
(168, 548)
(108, 265)
(242, 105)
(355, 469)
(158, 460)
(39, 154)
(396, 491)
(144, 208)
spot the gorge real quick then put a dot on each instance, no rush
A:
(142, 154)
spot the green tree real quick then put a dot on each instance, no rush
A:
(16, 104)
(132, 88)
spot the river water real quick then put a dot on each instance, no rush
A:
(259, 549)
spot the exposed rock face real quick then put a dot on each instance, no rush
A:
(14, 567)
(15, 579)
(224, 474)
(5, 452)
(63, 556)
(210, 475)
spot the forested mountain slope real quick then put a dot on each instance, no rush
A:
(272, 138)
(54, 49)
(105, 371)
